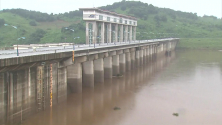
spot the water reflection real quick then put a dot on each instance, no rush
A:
(95, 106)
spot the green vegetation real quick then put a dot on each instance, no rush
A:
(32, 23)
(200, 43)
(2, 21)
(157, 22)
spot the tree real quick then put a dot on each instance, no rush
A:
(164, 18)
(123, 8)
(32, 23)
(2, 22)
(36, 36)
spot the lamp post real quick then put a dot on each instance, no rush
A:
(15, 27)
(17, 44)
(74, 43)
(73, 34)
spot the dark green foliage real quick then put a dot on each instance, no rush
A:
(210, 17)
(37, 16)
(36, 36)
(2, 22)
(163, 18)
(123, 8)
(32, 23)
(71, 14)
(77, 27)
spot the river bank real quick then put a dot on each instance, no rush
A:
(200, 43)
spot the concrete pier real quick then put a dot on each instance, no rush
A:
(115, 65)
(98, 71)
(138, 58)
(133, 59)
(39, 83)
(144, 56)
(108, 71)
(74, 77)
(141, 57)
(122, 63)
(62, 84)
(88, 74)
(128, 61)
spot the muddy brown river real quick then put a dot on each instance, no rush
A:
(184, 89)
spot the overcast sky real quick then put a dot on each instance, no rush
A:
(201, 7)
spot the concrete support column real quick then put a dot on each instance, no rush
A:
(94, 32)
(141, 57)
(134, 33)
(170, 45)
(116, 33)
(131, 31)
(121, 33)
(88, 74)
(62, 84)
(102, 32)
(128, 61)
(108, 68)
(138, 58)
(162, 47)
(151, 52)
(115, 65)
(3, 100)
(148, 54)
(74, 77)
(133, 59)
(156, 49)
(126, 33)
(109, 30)
(144, 56)
(122, 63)
(87, 32)
(98, 71)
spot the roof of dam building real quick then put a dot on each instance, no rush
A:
(108, 12)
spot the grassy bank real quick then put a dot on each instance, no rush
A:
(200, 43)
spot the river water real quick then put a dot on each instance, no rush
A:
(188, 83)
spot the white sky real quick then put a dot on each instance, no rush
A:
(201, 7)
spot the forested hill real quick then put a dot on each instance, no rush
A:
(40, 27)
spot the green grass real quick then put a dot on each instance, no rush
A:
(203, 33)
(200, 43)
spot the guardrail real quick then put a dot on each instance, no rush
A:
(8, 52)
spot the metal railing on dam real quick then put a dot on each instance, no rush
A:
(33, 82)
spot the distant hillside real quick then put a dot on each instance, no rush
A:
(40, 27)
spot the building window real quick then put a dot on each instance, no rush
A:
(108, 18)
(100, 17)
(120, 20)
(134, 23)
(114, 19)
(125, 21)
(130, 22)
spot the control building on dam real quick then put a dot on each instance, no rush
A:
(35, 81)
(108, 27)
